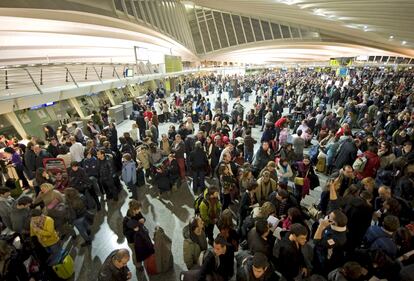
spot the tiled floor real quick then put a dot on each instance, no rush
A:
(172, 214)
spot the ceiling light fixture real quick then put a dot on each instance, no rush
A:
(392, 37)
(404, 42)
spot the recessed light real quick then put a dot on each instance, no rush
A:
(391, 37)
(365, 27)
(404, 42)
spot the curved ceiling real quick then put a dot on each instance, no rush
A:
(42, 36)
(382, 25)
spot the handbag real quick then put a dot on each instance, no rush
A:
(301, 181)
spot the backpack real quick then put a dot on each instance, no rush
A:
(360, 163)
(197, 203)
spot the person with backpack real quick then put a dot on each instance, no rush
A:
(256, 268)
(195, 242)
(210, 267)
(367, 164)
(210, 209)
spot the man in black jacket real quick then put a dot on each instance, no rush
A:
(288, 253)
(115, 267)
(211, 263)
(79, 179)
(256, 268)
(105, 176)
(141, 124)
(198, 163)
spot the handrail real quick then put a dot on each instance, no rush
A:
(23, 80)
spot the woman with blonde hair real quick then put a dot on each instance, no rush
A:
(48, 197)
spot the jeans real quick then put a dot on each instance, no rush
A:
(82, 226)
(55, 253)
(248, 155)
(198, 180)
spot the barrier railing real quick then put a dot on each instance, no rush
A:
(23, 80)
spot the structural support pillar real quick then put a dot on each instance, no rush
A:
(75, 103)
(110, 97)
(12, 118)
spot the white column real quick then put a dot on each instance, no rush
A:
(12, 118)
(74, 102)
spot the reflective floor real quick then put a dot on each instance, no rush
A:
(172, 214)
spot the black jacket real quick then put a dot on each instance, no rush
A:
(105, 170)
(198, 160)
(78, 179)
(289, 257)
(245, 273)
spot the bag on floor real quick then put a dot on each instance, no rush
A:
(65, 268)
(151, 265)
(15, 187)
(321, 165)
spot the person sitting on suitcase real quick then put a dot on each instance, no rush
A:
(115, 267)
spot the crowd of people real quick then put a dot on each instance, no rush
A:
(349, 137)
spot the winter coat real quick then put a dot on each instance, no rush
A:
(371, 167)
(91, 166)
(109, 272)
(78, 179)
(178, 149)
(376, 238)
(129, 232)
(264, 189)
(143, 244)
(290, 259)
(346, 155)
(47, 234)
(105, 170)
(249, 143)
(162, 248)
(261, 158)
(20, 219)
(258, 244)
(129, 173)
(5, 211)
(143, 157)
(245, 273)
(198, 160)
(208, 210)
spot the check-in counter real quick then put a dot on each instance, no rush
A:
(127, 108)
(117, 113)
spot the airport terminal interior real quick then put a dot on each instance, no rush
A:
(218, 140)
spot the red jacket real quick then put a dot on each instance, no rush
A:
(148, 114)
(371, 166)
(279, 123)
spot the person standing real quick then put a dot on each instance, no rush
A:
(178, 147)
(76, 150)
(129, 174)
(105, 176)
(198, 163)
